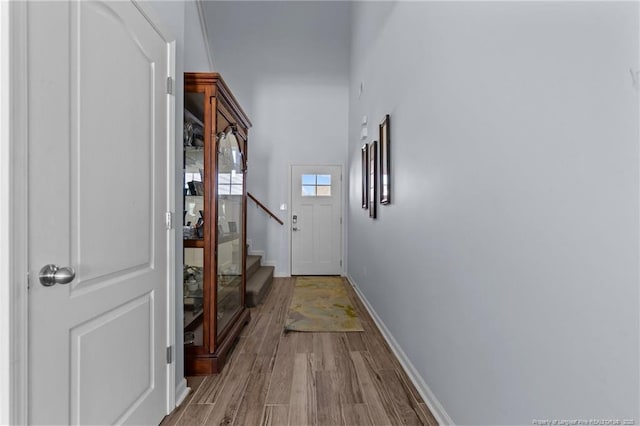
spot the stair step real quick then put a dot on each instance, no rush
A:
(258, 285)
(253, 264)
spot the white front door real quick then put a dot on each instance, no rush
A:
(316, 224)
(98, 183)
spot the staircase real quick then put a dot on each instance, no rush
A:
(259, 279)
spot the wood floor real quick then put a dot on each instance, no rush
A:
(277, 378)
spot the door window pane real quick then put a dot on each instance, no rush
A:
(324, 191)
(324, 180)
(308, 191)
(308, 179)
(316, 185)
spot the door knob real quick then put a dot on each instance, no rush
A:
(52, 275)
(296, 228)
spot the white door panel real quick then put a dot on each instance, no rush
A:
(98, 195)
(303, 253)
(93, 360)
(316, 236)
(324, 220)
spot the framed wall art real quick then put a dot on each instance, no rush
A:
(373, 148)
(385, 162)
(365, 176)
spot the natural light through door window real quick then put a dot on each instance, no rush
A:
(316, 185)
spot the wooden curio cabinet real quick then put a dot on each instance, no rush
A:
(214, 222)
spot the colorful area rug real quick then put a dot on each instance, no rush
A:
(321, 304)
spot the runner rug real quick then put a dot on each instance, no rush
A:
(321, 304)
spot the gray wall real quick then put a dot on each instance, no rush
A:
(196, 57)
(512, 282)
(287, 63)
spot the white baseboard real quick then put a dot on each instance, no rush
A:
(425, 392)
(182, 391)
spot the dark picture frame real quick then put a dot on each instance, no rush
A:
(373, 169)
(385, 161)
(365, 176)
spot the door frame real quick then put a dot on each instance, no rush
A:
(342, 212)
(14, 279)
(13, 225)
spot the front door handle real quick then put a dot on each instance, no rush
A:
(296, 228)
(52, 275)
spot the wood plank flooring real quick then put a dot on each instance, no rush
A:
(294, 379)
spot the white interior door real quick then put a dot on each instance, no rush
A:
(98, 143)
(316, 224)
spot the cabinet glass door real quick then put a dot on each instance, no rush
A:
(193, 219)
(230, 248)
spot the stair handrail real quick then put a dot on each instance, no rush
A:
(265, 208)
